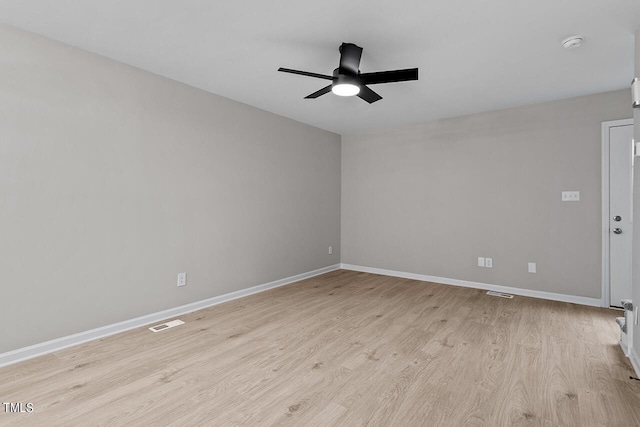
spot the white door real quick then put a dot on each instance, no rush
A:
(620, 212)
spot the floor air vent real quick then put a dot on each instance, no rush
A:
(167, 325)
(499, 294)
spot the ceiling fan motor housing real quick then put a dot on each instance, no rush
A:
(345, 77)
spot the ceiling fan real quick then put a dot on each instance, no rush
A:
(347, 80)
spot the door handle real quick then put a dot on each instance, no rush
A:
(617, 218)
(617, 230)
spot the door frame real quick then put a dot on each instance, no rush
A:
(606, 285)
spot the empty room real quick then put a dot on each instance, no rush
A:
(319, 214)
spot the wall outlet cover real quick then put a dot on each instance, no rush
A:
(532, 267)
(488, 262)
(182, 279)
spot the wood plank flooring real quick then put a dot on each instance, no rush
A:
(344, 349)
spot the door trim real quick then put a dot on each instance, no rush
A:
(606, 126)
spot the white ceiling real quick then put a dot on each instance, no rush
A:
(473, 55)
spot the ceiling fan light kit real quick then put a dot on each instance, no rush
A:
(345, 89)
(344, 85)
(347, 80)
(635, 92)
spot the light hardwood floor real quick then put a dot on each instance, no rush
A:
(346, 349)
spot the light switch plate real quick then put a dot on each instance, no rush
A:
(570, 196)
(532, 267)
(480, 261)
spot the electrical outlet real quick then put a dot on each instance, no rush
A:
(330, 250)
(488, 262)
(480, 261)
(182, 279)
(532, 267)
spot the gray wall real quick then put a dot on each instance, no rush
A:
(431, 198)
(636, 207)
(113, 180)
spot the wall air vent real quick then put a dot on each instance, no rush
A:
(499, 294)
(167, 325)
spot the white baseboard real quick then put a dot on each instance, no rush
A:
(40, 349)
(596, 302)
(635, 361)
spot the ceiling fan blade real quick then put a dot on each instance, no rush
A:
(368, 95)
(305, 73)
(350, 55)
(318, 93)
(389, 76)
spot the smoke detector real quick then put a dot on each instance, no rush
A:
(572, 42)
